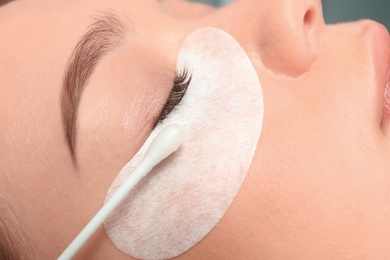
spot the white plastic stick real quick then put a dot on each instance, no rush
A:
(165, 143)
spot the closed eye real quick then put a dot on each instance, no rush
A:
(180, 84)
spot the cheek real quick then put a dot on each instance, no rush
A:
(308, 188)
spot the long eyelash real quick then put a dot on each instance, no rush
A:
(180, 84)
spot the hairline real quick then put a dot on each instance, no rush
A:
(13, 243)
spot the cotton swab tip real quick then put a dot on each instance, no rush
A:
(165, 143)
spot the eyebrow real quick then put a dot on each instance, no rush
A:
(103, 35)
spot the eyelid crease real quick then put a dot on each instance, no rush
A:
(180, 85)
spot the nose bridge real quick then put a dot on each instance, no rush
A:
(186, 10)
(283, 33)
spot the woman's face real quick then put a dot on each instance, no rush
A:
(319, 183)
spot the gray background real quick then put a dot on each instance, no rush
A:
(336, 11)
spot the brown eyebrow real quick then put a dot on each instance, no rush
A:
(104, 34)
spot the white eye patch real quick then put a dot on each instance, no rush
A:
(185, 196)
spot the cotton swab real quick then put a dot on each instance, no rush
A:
(166, 142)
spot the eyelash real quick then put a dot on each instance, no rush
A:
(180, 84)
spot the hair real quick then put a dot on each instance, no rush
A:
(7, 243)
(3, 2)
(8, 250)
(12, 239)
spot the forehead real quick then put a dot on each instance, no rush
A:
(35, 33)
(41, 32)
(32, 59)
(37, 38)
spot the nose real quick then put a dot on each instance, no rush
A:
(285, 34)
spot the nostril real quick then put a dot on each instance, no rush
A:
(289, 43)
(308, 16)
(311, 26)
(308, 19)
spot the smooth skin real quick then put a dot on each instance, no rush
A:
(319, 183)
